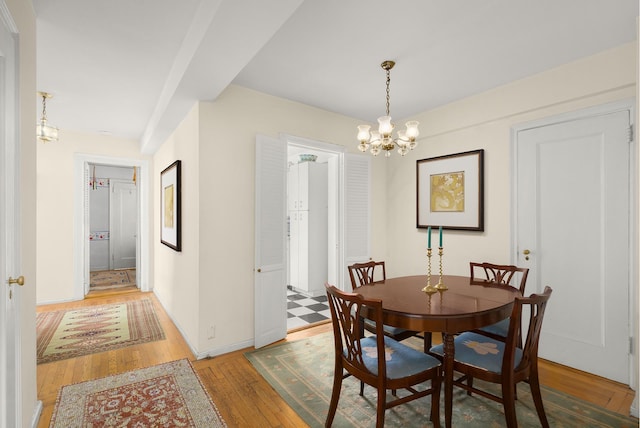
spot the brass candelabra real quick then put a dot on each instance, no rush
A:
(429, 289)
(440, 285)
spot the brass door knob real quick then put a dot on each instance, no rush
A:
(526, 254)
(259, 270)
(19, 280)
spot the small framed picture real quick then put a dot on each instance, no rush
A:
(170, 227)
(450, 191)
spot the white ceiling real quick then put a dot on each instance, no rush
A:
(133, 69)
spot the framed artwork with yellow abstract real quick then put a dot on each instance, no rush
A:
(170, 206)
(450, 191)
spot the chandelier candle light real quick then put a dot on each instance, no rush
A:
(383, 138)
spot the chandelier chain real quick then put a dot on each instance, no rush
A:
(388, 92)
(44, 107)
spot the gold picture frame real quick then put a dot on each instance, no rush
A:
(450, 191)
(170, 206)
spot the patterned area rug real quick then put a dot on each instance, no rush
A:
(302, 373)
(89, 330)
(108, 279)
(166, 395)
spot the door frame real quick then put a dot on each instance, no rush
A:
(81, 210)
(622, 105)
(335, 206)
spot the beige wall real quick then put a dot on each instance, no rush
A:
(24, 18)
(218, 207)
(177, 280)
(217, 290)
(484, 122)
(56, 206)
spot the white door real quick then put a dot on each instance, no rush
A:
(123, 224)
(270, 281)
(10, 355)
(573, 218)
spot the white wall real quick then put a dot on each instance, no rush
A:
(55, 215)
(484, 122)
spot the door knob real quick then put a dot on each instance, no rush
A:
(259, 270)
(19, 280)
(526, 254)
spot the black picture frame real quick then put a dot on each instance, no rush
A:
(171, 206)
(450, 191)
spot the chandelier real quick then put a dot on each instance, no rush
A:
(383, 139)
(45, 132)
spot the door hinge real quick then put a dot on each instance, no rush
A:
(630, 132)
(631, 350)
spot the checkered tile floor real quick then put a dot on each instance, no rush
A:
(303, 310)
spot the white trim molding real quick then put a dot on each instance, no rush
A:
(81, 263)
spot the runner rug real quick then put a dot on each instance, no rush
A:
(166, 395)
(72, 333)
(109, 279)
(302, 373)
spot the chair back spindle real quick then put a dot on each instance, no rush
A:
(366, 273)
(349, 328)
(498, 275)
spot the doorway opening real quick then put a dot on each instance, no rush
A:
(131, 252)
(113, 206)
(312, 230)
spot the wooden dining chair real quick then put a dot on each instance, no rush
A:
(493, 275)
(372, 272)
(377, 360)
(367, 273)
(504, 362)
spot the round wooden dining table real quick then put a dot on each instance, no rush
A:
(462, 306)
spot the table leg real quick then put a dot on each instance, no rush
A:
(449, 355)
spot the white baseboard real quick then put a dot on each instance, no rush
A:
(180, 330)
(211, 352)
(634, 406)
(36, 414)
(224, 349)
(51, 302)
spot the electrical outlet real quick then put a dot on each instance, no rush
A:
(212, 332)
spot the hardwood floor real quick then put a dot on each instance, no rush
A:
(243, 397)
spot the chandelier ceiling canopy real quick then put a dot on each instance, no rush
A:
(383, 139)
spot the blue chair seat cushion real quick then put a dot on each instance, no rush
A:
(402, 360)
(500, 328)
(479, 351)
(393, 331)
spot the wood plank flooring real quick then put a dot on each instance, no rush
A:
(243, 397)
